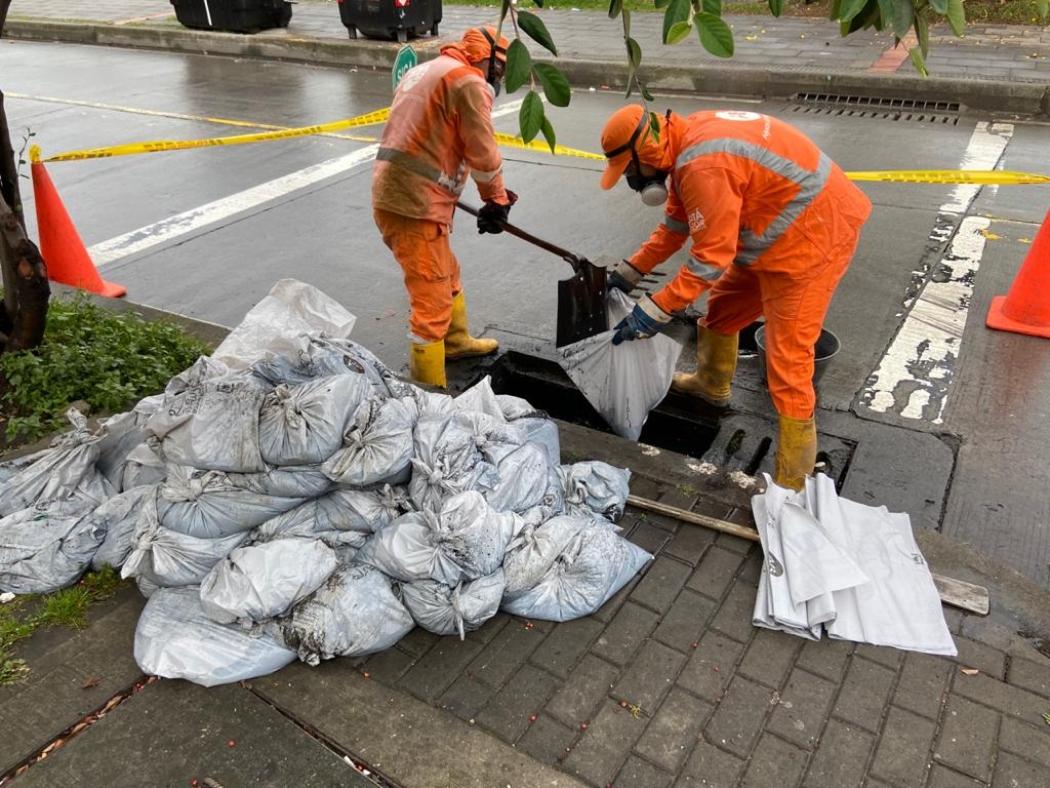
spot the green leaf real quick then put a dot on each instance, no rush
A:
(957, 17)
(548, 133)
(1044, 9)
(645, 92)
(678, 32)
(634, 53)
(654, 126)
(922, 32)
(776, 7)
(665, 3)
(898, 15)
(530, 118)
(940, 6)
(555, 85)
(678, 11)
(850, 8)
(536, 30)
(868, 17)
(615, 7)
(712, 7)
(519, 65)
(715, 35)
(918, 61)
(538, 3)
(626, 16)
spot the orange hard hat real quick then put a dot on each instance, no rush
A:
(625, 138)
(478, 44)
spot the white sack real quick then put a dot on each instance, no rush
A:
(118, 518)
(340, 518)
(142, 466)
(596, 487)
(378, 445)
(46, 547)
(524, 481)
(596, 564)
(453, 611)
(295, 481)
(622, 382)
(353, 614)
(464, 541)
(304, 424)
(255, 584)
(535, 549)
(176, 640)
(276, 324)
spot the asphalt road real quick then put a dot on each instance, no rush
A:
(206, 241)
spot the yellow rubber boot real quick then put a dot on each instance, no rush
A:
(796, 452)
(715, 366)
(458, 342)
(426, 363)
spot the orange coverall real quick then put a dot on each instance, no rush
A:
(773, 224)
(439, 132)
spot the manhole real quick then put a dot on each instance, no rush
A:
(896, 109)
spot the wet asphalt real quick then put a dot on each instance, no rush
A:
(989, 440)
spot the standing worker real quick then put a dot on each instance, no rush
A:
(439, 132)
(773, 224)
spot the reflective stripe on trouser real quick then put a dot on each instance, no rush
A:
(431, 271)
(794, 304)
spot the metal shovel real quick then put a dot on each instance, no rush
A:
(581, 299)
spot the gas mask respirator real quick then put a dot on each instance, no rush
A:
(651, 188)
(494, 77)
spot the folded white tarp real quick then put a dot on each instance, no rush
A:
(622, 382)
(851, 570)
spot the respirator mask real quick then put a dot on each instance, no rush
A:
(651, 188)
(494, 75)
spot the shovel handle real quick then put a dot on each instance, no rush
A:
(517, 232)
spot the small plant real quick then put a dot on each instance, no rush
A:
(65, 608)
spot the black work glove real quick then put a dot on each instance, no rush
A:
(492, 215)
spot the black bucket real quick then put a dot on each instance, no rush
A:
(826, 349)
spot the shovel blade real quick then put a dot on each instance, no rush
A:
(582, 309)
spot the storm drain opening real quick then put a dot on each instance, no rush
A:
(881, 108)
(673, 425)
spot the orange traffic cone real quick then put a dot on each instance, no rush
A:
(1026, 308)
(64, 254)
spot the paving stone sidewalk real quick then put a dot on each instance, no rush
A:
(789, 44)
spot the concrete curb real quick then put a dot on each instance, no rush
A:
(710, 79)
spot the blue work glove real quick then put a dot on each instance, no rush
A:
(624, 277)
(645, 320)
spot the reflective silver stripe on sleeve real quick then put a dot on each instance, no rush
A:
(481, 176)
(810, 184)
(706, 271)
(412, 164)
(675, 226)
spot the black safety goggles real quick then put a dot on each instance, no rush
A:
(630, 144)
(496, 50)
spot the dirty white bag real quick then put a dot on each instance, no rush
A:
(295, 481)
(65, 472)
(142, 466)
(208, 505)
(168, 558)
(595, 565)
(622, 382)
(378, 445)
(453, 611)
(210, 419)
(354, 613)
(304, 424)
(257, 583)
(46, 547)
(118, 518)
(596, 487)
(276, 325)
(480, 398)
(533, 551)
(342, 517)
(176, 640)
(465, 540)
(524, 477)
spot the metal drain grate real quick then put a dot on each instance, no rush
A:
(897, 109)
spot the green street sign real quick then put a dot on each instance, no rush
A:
(406, 59)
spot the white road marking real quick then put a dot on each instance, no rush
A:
(914, 376)
(106, 253)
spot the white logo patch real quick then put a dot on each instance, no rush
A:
(696, 221)
(733, 114)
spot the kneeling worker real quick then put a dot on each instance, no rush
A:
(773, 224)
(439, 132)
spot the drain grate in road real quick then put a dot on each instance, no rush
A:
(896, 109)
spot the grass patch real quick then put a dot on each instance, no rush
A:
(89, 353)
(67, 608)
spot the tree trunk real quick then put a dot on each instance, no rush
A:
(23, 313)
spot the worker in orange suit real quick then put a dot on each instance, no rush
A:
(440, 134)
(772, 224)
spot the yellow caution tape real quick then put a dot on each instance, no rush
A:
(512, 141)
(978, 177)
(155, 146)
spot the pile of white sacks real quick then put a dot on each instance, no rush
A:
(298, 500)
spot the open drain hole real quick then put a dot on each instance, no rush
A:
(671, 425)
